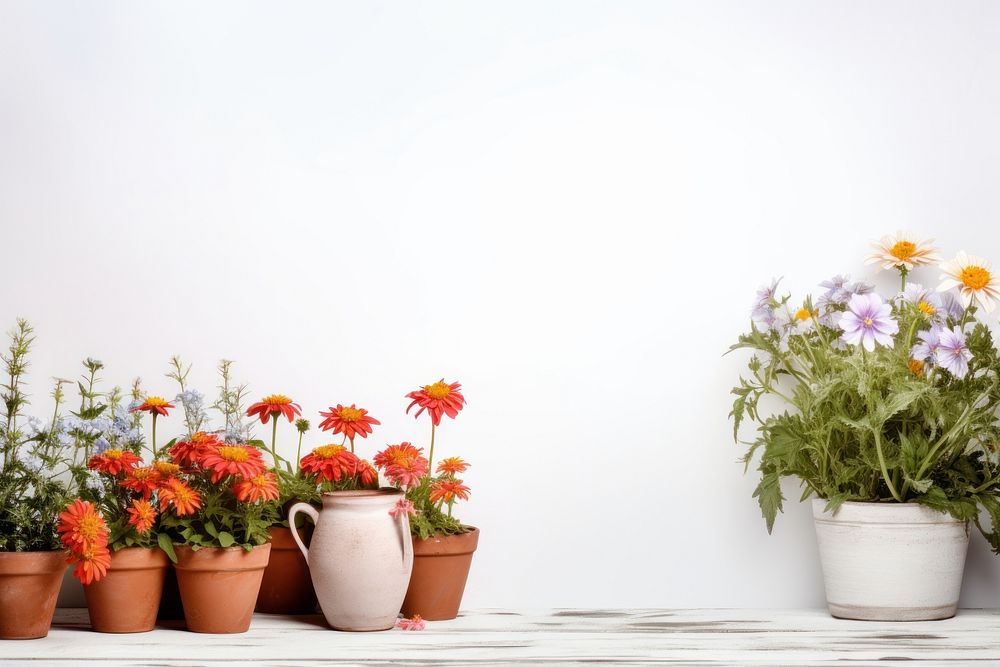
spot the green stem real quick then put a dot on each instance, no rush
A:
(902, 278)
(352, 445)
(885, 470)
(430, 456)
(274, 438)
(298, 453)
(154, 436)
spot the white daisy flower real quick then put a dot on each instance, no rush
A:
(974, 279)
(903, 250)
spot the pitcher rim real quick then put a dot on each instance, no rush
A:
(364, 493)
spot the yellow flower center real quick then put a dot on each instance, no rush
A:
(975, 277)
(927, 309)
(916, 367)
(142, 473)
(903, 250)
(113, 454)
(156, 401)
(182, 493)
(350, 414)
(276, 399)
(167, 468)
(868, 321)
(237, 454)
(90, 524)
(438, 390)
(328, 451)
(803, 314)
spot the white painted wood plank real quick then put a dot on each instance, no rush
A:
(692, 636)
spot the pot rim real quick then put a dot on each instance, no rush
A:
(908, 513)
(364, 493)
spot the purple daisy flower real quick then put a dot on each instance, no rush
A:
(952, 354)
(927, 348)
(763, 308)
(867, 321)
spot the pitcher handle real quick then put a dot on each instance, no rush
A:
(311, 511)
(404, 526)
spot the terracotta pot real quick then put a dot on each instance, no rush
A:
(219, 586)
(127, 598)
(29, 586)
(359, 559)
(890, 561)
(440, 568)
(171, 608)
(287, 587)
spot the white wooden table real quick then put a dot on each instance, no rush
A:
(491, 637)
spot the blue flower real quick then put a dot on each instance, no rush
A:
(101, 445)
(952, 354)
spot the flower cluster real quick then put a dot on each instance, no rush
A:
(84, 534)
(892, 398)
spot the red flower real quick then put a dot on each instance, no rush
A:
(190, 452)
(184, 499)
(274, 405)
(407, 473)
(367, 475)
(438, 399)
(141, 515)
(404, 451)
(448, 491)
(351, 421)
(241, 460)
(113, 461)
(142, 480)
(81, 528)
(91, 564)
(330, 462)
(452, 465)
(261, 487)
(154, 404)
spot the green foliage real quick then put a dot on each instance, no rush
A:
(222, 520)
(431, 519)
(871, 426)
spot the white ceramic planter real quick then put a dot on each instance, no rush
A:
(360, 557)
(890, 561)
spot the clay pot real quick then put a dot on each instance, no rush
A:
(360, 557)
(286, 587)
(29, 586)
(890, 561)
(127, 598)
(219, 586)
(440, 568)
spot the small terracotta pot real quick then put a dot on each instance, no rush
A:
(440, 569)
(171, 608)
(287, 587)
(219, 586)
(29, 586)
(127, 598)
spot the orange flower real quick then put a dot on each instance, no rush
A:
(274, 405)
(452, 465)
(154, 405)
(184, 499)
(242, 460)
(261, 487)
(142, 480)
(330, 462)
(81, 527)
(91, 564)
(113, 461)
(367, 474)
(351, 421)
(141, 515)
(166, 468)
(400, 453)
(448, 491)
(438, 399)
(190, 452)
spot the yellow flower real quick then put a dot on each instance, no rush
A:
(974, 278)
(902, 250)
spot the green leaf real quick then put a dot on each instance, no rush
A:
(768, 495)
(226, 539)
(165, 543)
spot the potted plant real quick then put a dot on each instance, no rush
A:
(215, 514)
(33, 490)
(125, 597)
(361, 552)
(887, 417)
(442, 545)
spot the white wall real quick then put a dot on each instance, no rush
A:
(566, 206)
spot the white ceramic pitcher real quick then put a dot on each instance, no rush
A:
(360, 557)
